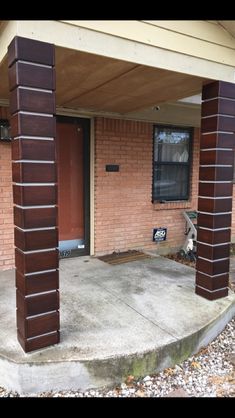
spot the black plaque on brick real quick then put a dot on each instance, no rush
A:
(112, 167)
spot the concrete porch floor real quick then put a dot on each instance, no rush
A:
(131, 319)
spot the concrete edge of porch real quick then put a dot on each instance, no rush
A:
(29, 378)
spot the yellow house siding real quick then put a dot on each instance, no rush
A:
(8, 30)
(203, 42)
(200, 29)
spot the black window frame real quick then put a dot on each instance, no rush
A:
(162, 199)
(4, 123)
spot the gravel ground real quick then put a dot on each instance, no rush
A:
(210, 373)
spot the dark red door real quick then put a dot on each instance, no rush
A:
(71, 186)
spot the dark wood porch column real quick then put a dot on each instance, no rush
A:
(32, 106)
(215, 189)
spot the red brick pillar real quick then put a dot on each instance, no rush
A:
(215, 189)
(32, 106)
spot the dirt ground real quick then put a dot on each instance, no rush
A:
(177, 257)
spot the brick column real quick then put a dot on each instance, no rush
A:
(32, 106)
(215, 189)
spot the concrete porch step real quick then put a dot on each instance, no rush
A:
(132, 319)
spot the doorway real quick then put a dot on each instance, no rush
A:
(73, 162)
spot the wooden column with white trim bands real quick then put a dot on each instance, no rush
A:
(32, 106)
(215, 189)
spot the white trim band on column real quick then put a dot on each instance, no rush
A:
(45, 250)
(41, 293)
(35, 64)
(214, 229)
(215, 165)
(41, 314)
(42, 335)
(216, 181)
(218, 97)
(38, 138)
(217, 132)
(40, 272)
(213, 245)
(36, 229)
(211, 291)
(216, 149)
(216, 115)
(34, 184)
(212, 276)
(216, 198)
(213, 261)
(35, 89)
(35, 207)
(23, 112)
(215, 213)
(34, 161)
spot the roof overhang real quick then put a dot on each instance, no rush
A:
(99, 83)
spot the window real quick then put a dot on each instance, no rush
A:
(4, 130)
(171, 163)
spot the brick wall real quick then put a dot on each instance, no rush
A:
(6, 203)
(124, 214)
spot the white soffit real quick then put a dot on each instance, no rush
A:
(196, 99)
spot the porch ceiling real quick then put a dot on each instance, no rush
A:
(99, 83)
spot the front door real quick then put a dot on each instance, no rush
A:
(73, 161)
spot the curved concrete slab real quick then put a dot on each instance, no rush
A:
(131, 319)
